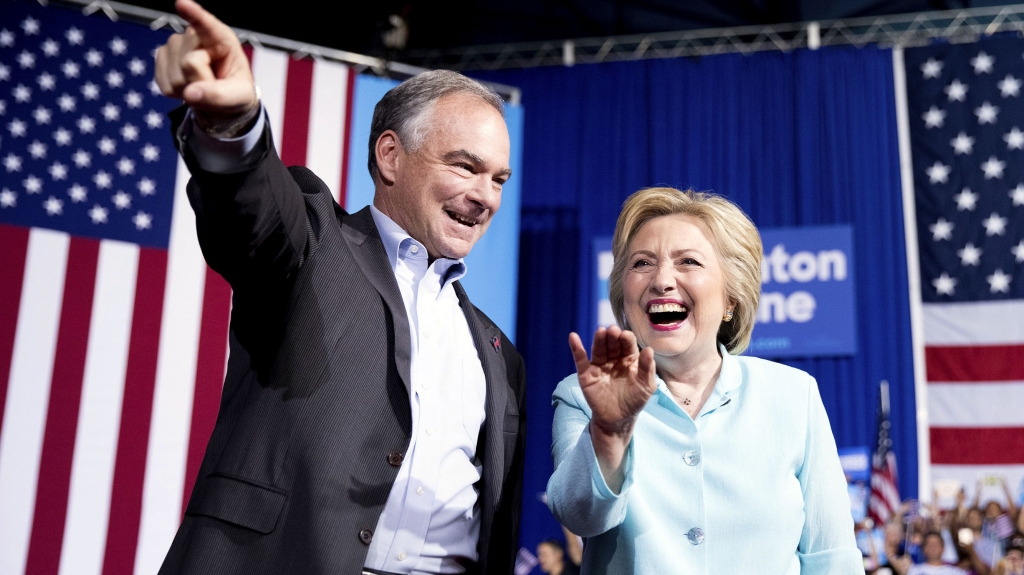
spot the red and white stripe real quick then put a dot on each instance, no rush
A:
(974, 357)
(310, 110)
(112, 358)
(885, 496)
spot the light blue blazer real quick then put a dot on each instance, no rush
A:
(753, 485)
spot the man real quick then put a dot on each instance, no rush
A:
(372, 419)
(932, 546)
(1014, 560)
(552, 559)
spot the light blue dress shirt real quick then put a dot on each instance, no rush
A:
(752, 485)
(431, 521)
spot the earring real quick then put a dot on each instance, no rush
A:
(728, 316)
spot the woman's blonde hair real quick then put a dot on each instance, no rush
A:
(733, 235)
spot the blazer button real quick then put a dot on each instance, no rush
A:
(395, 459)
(366, 536)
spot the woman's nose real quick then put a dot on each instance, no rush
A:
(663, 280)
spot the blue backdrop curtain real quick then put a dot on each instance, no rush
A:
(804, 138)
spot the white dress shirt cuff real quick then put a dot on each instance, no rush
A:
(221, 155)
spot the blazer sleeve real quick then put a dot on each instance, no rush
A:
(252, 224)
(577, 493)
(827, 543)
(505, 535)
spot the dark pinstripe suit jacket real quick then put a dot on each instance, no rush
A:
(315, 410)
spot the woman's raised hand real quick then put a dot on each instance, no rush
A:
(617, 379)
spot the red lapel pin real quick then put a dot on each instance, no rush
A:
(496, 343)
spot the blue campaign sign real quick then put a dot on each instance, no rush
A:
(807, 293)
(856, 462)
(603, 315)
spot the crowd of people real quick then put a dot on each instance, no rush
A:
(923, 539)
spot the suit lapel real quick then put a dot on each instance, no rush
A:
(493, 364)
(368, 251)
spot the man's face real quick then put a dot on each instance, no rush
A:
(932, 548)
(548, 557)
(1015, 561)
(445, 193)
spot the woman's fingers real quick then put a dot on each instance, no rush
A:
(599, 349)
(646, 369)
(579, 353)
(627, 342)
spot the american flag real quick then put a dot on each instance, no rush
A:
(113, 332)
(885, 494)
(525, 562)
(966, 116)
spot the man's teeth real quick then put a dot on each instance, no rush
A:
(666, 308)
(462, 219)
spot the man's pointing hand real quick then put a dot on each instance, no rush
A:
(206, 67)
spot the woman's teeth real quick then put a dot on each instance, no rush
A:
(665, 307)
(667, 313)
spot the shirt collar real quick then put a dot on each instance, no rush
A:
(729, 381)
(398, 244)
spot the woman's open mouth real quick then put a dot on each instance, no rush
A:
(666, 315)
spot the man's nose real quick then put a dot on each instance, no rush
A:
(484, 194)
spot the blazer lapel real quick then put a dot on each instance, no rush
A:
(492, 360)
(368, 252)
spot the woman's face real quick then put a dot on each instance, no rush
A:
(993, 510)
(674, 289)
(974, 519)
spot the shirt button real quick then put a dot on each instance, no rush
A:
(401, 556)
(691, 457)
(395, 459)
(695, 536)
(426, 335)
(419, 491)
(430, 431)
(366, 536)
(414, 249)
(425, 386)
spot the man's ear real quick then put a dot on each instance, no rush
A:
(387, 150)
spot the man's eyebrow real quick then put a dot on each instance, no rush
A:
(464, 155)
(474, 159)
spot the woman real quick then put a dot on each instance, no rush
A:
(683, 458)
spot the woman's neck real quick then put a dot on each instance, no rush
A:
(691, 380)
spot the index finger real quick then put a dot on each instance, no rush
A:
(579, 353)
(206, 25)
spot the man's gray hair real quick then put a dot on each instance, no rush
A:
(406, 108)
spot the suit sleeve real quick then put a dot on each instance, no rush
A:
(577, 493)
(827, 544)
(505, 537)
(252, 224)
